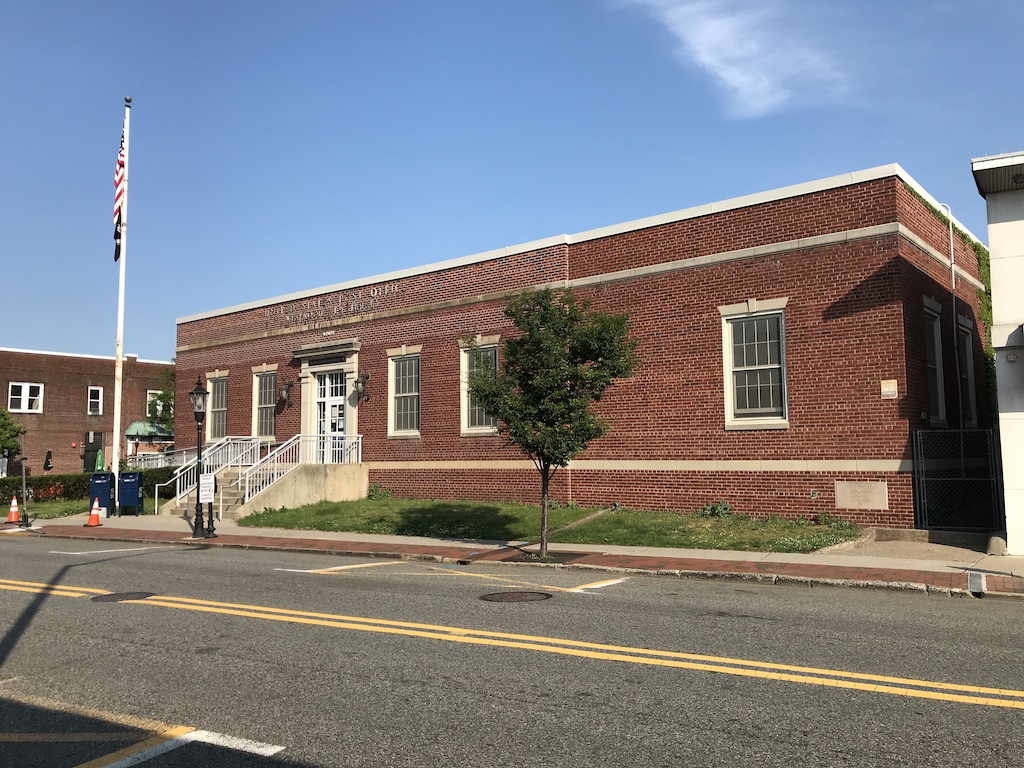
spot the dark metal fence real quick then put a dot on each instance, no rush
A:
(957, 484)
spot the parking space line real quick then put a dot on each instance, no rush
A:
(147, 750)
(106, 551)
(599, 584)
(488, 577)
(156, 744)
(339, 567)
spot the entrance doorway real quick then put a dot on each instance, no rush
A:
(92, 444)
(330, 416)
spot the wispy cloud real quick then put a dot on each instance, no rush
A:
(763, 53)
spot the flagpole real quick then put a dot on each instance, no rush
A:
(115, 461)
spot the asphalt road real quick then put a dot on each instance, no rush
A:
(391, 663)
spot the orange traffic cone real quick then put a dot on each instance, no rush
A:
(94, 515)
(13, 516)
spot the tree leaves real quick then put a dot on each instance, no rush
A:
(558, 364)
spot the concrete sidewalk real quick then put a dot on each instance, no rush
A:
(913, 566)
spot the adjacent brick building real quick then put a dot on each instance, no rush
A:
(790, 342)
(65, 403)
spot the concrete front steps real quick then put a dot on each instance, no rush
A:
(226, 502)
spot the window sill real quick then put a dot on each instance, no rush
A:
(403, 435)
(478, 433)
(756, 424)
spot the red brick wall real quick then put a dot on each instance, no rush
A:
(66, 379)
(853, 319)
(758, 494)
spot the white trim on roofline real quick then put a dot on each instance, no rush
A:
(745, 201)
(997, 161)
(87, 357)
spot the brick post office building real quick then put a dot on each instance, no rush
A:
(790, 342)
(65, 402)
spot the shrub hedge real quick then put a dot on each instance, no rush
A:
(74, 487)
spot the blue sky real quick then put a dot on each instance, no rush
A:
(278, 147)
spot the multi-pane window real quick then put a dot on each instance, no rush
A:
(754, 364)
(933, 363)
(94, 405)
(218, 412)
(24, 397)
(965, 352)
(266, 403)
(405, 386)
(475, 418)
(758, 367)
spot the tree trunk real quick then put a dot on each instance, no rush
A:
(545, 482)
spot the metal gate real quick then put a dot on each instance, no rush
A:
(957, 484)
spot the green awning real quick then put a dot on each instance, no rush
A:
(148, 429)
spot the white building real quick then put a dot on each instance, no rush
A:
(1000, 180)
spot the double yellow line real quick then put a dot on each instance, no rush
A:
(898, 686)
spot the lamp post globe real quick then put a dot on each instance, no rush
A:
(198, 396)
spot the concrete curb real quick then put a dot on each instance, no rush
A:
(775, 579)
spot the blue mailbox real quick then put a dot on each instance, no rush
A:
(129, 492)
(101, 488)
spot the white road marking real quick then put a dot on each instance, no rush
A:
(105, 551)
(599, 584)
(339, 567)
(205, 737)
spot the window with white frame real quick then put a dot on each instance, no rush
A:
(217, 424)
(965, 352)
(24, 397)
(404, 402)
(265, 391)
(94, 404)
(933, 360)
(754, 354)
(154, 407)
(475, 420)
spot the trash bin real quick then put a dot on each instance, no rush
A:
(101, 487)
(129, 492)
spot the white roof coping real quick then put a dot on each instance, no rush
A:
(87, 357)
(997, 161)
(745, 201)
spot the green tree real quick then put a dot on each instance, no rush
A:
(560, 363)
(161, 407)
(9, 431)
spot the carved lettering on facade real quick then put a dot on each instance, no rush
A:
(331, 306)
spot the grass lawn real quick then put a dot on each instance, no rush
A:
(713, 528)
(49, 510)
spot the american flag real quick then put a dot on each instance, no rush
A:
(119, 189)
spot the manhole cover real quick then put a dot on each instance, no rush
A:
(120, 597)
(515, 597)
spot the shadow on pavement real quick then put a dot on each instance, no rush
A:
(38, 736)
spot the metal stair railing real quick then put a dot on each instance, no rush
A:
(271, 468)
(161, 459)
(297, 450)
(227, 451)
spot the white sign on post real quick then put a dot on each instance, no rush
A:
(206, 488)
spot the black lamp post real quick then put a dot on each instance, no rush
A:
(198, 396)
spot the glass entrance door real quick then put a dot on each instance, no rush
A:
(330, 417)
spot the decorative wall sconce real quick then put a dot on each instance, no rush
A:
(360, 387)
(284, 392)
